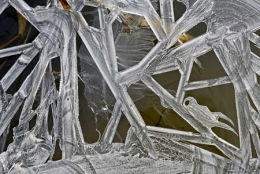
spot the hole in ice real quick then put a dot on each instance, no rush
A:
(57, 152)
(56, 66)
(258, 79)
(198, 30)
(56, 71)
(15, 29)
(122, 129)
(32, 122)
(254, 49)
(257, 32)
(226, 135)
(169, 80)
(186, 102)
(35, 3)
(253, 151)
(207, 67)
(6, 63)
(9, 26)
(37, 100)
(252, 103)
(91, 16)
(50, 120)
(179, 9)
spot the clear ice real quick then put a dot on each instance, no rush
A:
(114, 67)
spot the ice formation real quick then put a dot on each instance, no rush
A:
(112, 68)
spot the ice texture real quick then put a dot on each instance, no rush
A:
(116, 64)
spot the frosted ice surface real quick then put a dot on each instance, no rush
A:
(122, 47)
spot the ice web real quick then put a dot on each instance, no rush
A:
(109, 71)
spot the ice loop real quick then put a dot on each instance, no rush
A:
(116, 56)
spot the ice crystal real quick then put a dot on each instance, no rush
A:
(123, 46)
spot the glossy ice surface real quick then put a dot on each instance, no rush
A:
(114, 67)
